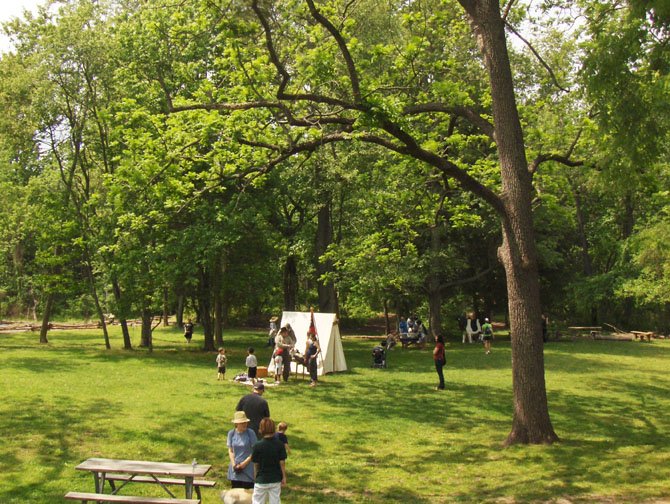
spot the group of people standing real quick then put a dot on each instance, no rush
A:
(257, 449)
(285, 351)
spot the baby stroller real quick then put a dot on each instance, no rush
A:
(378, 357)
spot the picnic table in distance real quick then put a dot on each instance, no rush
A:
(592, 331)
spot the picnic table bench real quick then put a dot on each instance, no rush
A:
(127, 478)
(140, 471)
(126, 499)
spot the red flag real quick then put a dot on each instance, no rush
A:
(312, 325)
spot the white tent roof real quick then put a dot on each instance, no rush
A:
(328, 333)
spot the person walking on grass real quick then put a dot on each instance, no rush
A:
(281, 435)
(269, 458)
(188, 331)
(252, 364)
(440, 359)
(221, 361)
(487, 335)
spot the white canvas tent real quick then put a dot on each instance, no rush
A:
(328, 332)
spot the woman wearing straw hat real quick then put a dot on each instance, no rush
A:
(240, 443)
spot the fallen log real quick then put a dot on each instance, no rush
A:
(622, 336)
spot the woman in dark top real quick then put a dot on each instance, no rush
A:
(440, 359)
(269, 458)
(312, 350)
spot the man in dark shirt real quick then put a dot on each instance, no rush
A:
(254, 406)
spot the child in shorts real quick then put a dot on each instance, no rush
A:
(251, 364)
(221, 361)
(278, 358)
(281, 435)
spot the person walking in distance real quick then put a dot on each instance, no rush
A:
(487, 335)
(440, 359)
(188, 331)
(221, 361)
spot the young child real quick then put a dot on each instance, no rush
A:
(279, 363)
(221, 360)
(251, 364)
(281, 435)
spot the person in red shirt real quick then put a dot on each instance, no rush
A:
(440, 359)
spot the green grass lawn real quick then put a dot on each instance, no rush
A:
(367, 435)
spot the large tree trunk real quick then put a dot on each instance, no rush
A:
(48, 306)
(180, 310)
(587, 264)
(434, 284)
(324, 237)
(147, 337)
(218, 302)
(127, 344)
(166, 307)
(387, 320)
(290, 283)
(96, 301)
(205, 310)
(531, 422)
(626, 232)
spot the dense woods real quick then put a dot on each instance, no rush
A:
(230, 159)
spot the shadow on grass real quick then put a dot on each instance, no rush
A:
(49, 434)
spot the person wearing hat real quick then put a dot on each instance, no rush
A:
(286, 340)
(487, 335)
(240, 444)
(254, 406)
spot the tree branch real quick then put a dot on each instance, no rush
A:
(508, 7)
(563, 159)
(260, 104)
(465, 112)
(274, 57)
(552, 157)
(462, 281)
(285, 77)
(344, 50)
(539, 58)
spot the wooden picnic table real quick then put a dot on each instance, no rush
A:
(143, 472)
(641, 335)
(593, 331)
